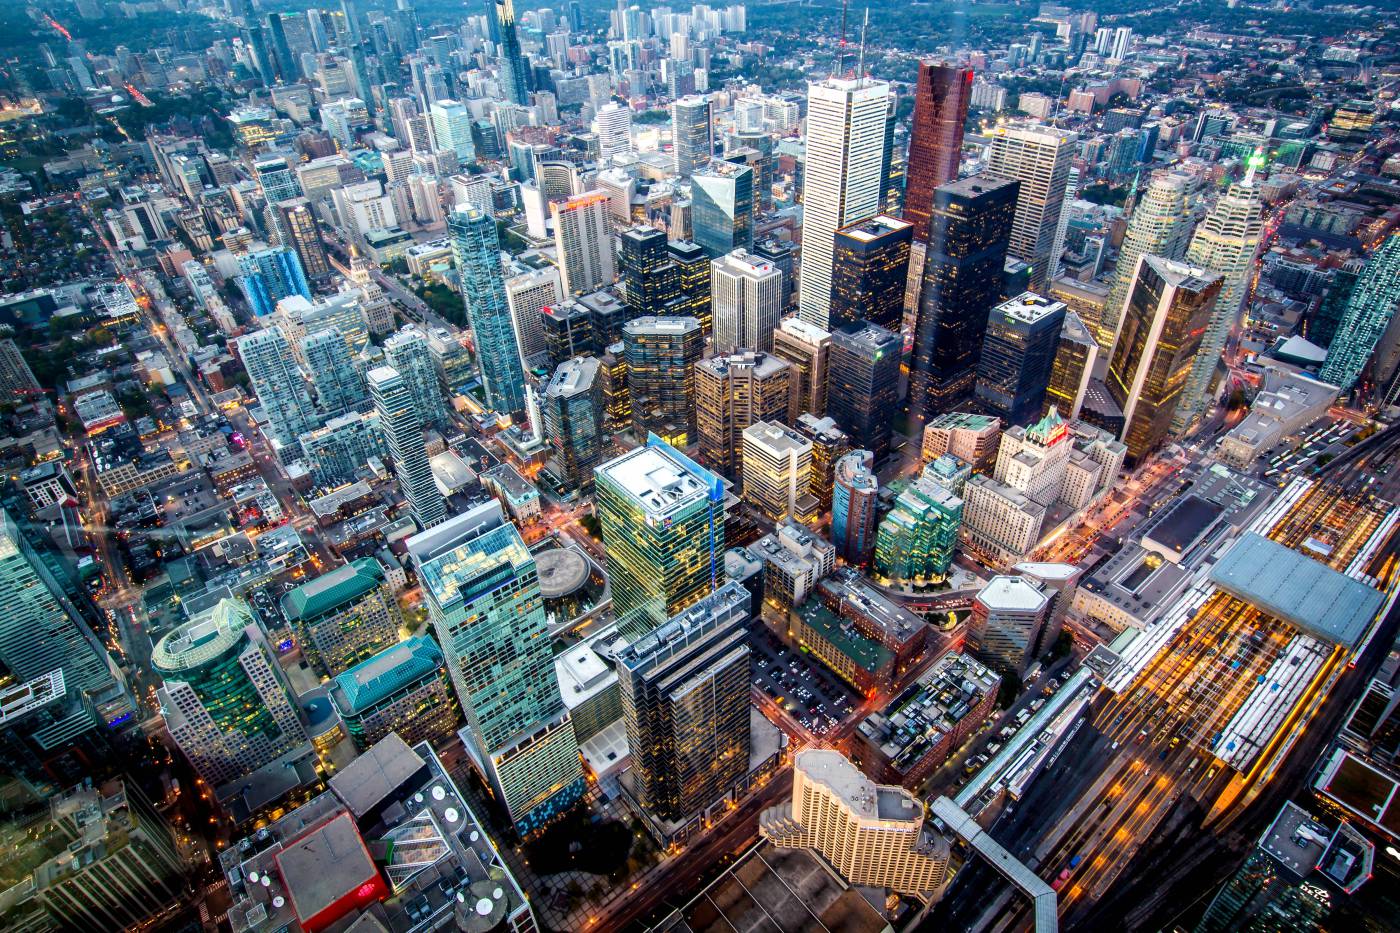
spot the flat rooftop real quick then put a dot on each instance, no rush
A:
(1027, 308)
(1183, 523)
(325, 865)
(1298, 590)
(1012, 594)
(656, 483)
(1295, 840)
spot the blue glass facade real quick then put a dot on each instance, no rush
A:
(270, 275)
(477, 249)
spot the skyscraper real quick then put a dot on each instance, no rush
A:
(685, 701)
(1166, 317)
(269, 275)
(583, 238)
(842, 178)
(573, 420)
(733, 391)
(722, 214)
(746, 301)
(693, 264)
(871, 266)
(452, 128)
(916, 540)
(343, 616)
(514, 69)
(280, 389)
(613, 124)
(941, 97)
(1038, 157)
(808, 349)
(829, 444)
(364, 86)
(1368, 311)
(225, 700)
(854, 507)
(662, 519)
(969, 231)
(778, 472)
(863, 392)
(661, 355)
(1075, 355)
(402, 425)
(339, 387)
(691, 133)
(650, 279)
(1018, 354)
(483, 595)
(276, 179)
(407, 352)
(527, 295)
(477, 250)
(1225, 242)
(871, 834)
(302, 232)
(1159, 225)
(1007, 615)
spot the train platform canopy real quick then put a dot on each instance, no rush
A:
(1298, 590)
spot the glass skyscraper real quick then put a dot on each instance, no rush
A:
(1018, 353)
(864, 385)
(514, 71)
(573, 420)
(402, 425)
(722, 195)
(476, 247)
(484, 601)
(662, 518)
(871, 267)
(935, 143)
(1368, 312)
(269, 275)
(278, 383)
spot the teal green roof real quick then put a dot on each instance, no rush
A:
(332, 590)
(866, 652)
(372, 681)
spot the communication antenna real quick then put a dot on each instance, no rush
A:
(840, 67)
(860, 65)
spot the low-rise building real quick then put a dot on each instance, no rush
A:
(517, 494)
(1286, 403)
(794, 560)
(969, 437)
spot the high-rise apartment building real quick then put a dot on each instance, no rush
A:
(1225, 241)
(1038, 157)
(515, 70)
(402, 425)
(746, 301)
(692, 137)
(863, 389)
(300, 230)
(269, 275)
(854, 507)
(583, 238)
(1018, 353)
(969, 231)
(842, 178)
(778, 472)
(722, 207)
(1367, 313)
(339, 387)
(16, 378)
(872, 834)
(733, 391)
(527, 295)
(483, 594)
(1168, 311)
(342, 448)
(613, 126)
(685, 701)
(662, 519)
(871, 267)
(941, 97)
(344, 616)
(916, 540)
(573, 420)
(225, 701)
(661, 354)
(280, 389)
(1076, 352)
(477, 250)
(1158, 226)
(407, 351)
(807, 349)
(276, 179)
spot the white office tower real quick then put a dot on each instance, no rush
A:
(583, 239)
(1158, 226)
(872, 834)
(278, 383)
(527, 295)
(746, 300)
(693, 143)
(402, 425)
(613, 124)
(452, 129)
(1224, 242)
(778, 472)
(1057, 250)
(1038, 157)
(843, 178)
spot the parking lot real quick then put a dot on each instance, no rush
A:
(799, 683)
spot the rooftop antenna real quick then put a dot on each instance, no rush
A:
(860, 63)
(840, 67)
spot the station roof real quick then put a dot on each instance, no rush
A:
(1297, 589)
